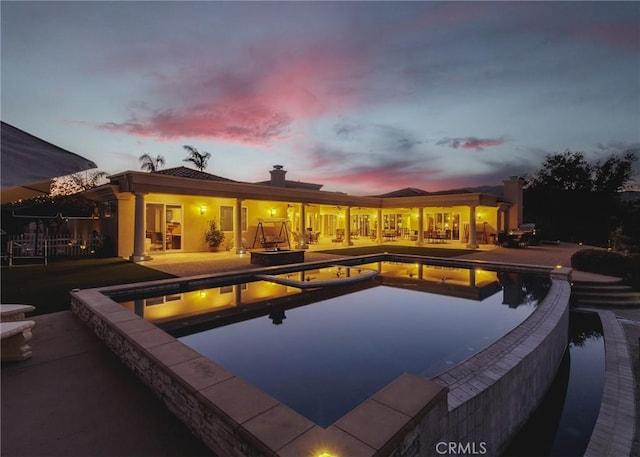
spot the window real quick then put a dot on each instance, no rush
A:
(226, 218)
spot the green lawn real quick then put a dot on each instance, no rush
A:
(398, 249)
(47, 287)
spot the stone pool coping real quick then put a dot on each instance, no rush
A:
(406, 417)
(614, 430)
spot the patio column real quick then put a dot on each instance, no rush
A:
(379, 230)
(473, 243)
(237, 225)
(502, 218)
(139, 253)
(303, 229)
(420, 241)
(347, 225)
(237, 293)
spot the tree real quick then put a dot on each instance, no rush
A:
(199, 159)
(567, 171)
(150, 164)
(572, 199)
(75, 183)
(571, 171)
(614, 174)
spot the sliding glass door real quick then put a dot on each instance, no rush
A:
(164, 227)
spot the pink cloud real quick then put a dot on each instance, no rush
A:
(625, 34)
(378, 179)
(256, 104)
(255, 125)
(477, 144)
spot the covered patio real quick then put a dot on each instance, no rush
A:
(148, 214)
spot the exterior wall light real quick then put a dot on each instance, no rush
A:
(273, 212)
(203, 209)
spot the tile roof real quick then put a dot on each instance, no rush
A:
(406, 192)
(185, 172)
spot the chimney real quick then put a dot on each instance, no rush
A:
(277, 176)
(513, 195)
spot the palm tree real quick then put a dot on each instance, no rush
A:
(197, 158)
(150, 164)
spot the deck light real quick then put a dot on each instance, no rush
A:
(203, 209)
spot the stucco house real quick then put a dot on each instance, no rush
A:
(169, 211)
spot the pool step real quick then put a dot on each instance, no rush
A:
(605, 295)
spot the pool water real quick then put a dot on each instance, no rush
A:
(563, 423)
(331, 275)
(324, 359)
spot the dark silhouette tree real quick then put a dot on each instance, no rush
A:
(78, 182)
(571, 171)
(572, 199)
(151, 164)
(567, 171)
(614, 174)
(197, 158)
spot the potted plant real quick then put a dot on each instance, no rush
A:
(214, 236)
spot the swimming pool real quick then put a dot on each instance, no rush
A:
(483, 399)
(323, 352)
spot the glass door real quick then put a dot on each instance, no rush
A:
(155, 227)
(443, 225)
(164, 224)
(173, 232)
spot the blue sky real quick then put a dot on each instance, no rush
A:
(363, 97)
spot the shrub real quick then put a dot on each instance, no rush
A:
(608, 263)
(213, 235)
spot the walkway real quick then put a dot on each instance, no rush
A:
(74, 398)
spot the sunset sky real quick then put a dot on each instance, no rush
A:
(362, 97)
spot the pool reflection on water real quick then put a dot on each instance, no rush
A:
(325, 359)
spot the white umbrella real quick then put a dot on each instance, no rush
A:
(28, 164)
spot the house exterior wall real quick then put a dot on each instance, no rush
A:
(125, 218)
(324, 213)
(513, 195)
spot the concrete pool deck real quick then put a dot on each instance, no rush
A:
(75, 398)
